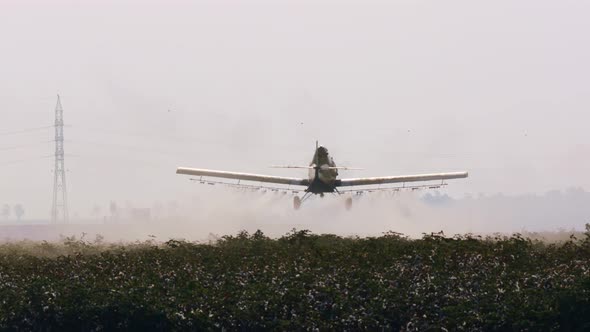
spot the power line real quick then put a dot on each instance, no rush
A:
(18, 161)
(17, 147)
(26, 130)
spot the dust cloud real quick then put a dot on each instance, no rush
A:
(213, 212)
(222, 212)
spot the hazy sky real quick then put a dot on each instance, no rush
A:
(499, 88)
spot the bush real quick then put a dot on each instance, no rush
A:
(299, 281)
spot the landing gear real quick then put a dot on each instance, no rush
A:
(296, 202)
(348, 203)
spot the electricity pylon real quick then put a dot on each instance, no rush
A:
(59, 211)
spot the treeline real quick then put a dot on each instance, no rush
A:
(6, 210)
(301, 281)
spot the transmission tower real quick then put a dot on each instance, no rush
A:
(59, 210)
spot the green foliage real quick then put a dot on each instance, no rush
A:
(299, 281)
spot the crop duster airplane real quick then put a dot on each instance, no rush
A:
(323, 178)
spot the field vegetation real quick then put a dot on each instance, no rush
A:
(300, 281)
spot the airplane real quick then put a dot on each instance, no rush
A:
(322, 178)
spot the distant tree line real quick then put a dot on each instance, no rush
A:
(18, 211)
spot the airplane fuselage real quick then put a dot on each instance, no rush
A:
(324, 173)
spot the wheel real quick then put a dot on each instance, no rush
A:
(296, 202)
(348, 203)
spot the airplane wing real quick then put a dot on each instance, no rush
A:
(399, 179)
(242, 176)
